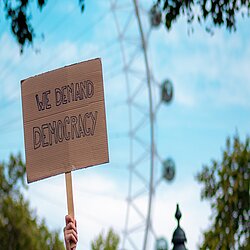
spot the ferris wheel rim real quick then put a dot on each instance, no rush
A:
(151, 114)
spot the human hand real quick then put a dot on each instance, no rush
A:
(70, 233)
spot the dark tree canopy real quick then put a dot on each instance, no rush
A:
(217, 12)
(20, 19)
(226, 185)
(212, 13)
(17, 12)
(19, 226)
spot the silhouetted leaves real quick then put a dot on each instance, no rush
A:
(226, 185)
(82, 5)
(211, 12)
(20, 19)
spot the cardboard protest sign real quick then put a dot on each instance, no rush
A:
(64, 120)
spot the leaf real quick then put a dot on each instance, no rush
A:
(227, 190)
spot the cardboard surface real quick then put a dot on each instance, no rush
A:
(64, 120)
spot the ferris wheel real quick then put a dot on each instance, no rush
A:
(134, 23)
(145, 95)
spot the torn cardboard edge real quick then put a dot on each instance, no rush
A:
(67, 170)
(66, 66)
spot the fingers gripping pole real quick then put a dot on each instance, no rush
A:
(70, 201)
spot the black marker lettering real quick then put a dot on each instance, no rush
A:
(73, 127)
(64, 94)
(71, 93)
(52, 131)
(86, 127)
(66, 133)
(78, 95)
(83, 89)
(70, 128)
(60, 130)
(36, 137)
(44, 103)
(81, 126)
(94, 118)
(44, 137)
(58, 96)
(90, 88)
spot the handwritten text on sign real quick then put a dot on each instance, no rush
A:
(64, 120)
(70, 127)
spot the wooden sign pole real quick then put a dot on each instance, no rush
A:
(70, 201)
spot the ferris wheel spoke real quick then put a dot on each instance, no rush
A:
(136, 228)
(140, 108)
(142, 143)
(140, 159)
(139, 193)
(143, 179)
(128, 22)
(137, 210)
(138, 89)
(141, 123)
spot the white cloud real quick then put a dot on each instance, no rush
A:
(97, 203)
(100, 203)
(205, 69)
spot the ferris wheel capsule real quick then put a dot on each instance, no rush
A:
(167, 91)
(168, 172)
(155, 16)
(161, 244)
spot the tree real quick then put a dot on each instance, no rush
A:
(218, 13)
(18, 13)
(110, 242)
(19, 226)
(226, 186)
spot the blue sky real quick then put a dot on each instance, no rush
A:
(211, 101)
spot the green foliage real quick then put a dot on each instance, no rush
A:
(20, 18)
(19, 227)
(226, 186)
(110, 242)
(217, 12)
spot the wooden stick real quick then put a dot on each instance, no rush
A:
(69, 190)
(70, 201)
